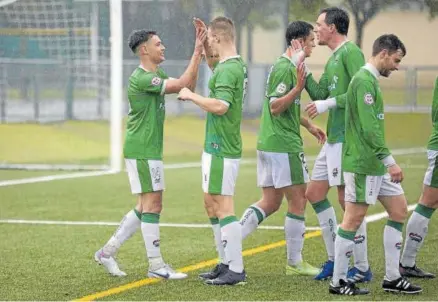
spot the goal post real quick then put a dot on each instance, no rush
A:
(59, 67)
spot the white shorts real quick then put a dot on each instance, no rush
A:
(366, 189)
(280, 170)
(219, 174)
(328, 165)
(431, 176)
(145, 175)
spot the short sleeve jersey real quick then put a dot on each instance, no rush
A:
(280, 133)
(228, 84)
(144, 130)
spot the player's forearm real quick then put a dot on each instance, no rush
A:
(209, 104)
(305, 122)
(281, 104)
(316, 91)
(194, 74)
(189, 77)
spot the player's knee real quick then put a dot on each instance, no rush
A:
(352, 222)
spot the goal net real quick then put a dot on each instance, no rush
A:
(60, 84)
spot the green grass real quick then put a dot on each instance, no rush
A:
(79, 142)
(43, 262)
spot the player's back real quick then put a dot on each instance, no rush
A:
(144, 130)
(280, 133)
(228, 83)
(359, 155)
(342, 65)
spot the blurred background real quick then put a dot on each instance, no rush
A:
(55, 67)
(54, 62)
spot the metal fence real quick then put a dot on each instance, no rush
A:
(44, 91)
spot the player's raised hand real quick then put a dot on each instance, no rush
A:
(311, 110)
(396, 173)
(185, 94)
(198, 23)
(301, 76)
(296, 52)
(318, 133)
(201, 34)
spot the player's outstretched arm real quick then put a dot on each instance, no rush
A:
(218, 107)
(316, 108)
(280, 104)
(317, 90)
(190, 75)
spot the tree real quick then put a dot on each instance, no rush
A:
(433, 7)
(306, 10)
(250, 12)
(363, 11)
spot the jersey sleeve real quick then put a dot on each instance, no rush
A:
(353, 61)
(373, 133)
(225, 85)
(317, 91)
(281, 81)
(341, 100)
(153, 83)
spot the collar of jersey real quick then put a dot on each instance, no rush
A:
(229, 58)
(340, 45)
(372, 69)
(140, 66)
(290, 59)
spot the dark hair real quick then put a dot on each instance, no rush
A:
(138, 37)
(298, 29)
(389, 42)
(338, 17)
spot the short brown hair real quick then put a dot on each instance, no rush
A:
(223, 26)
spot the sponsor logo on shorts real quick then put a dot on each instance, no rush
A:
(335, 172)
(359, 239)
(156, 243)
(348, 254)
(415, 237)
(224, 243)
(156, 175)
(398, 245)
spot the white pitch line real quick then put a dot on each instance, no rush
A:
(106, 223)
(369, 218)
(13, 182)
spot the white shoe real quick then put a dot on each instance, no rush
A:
(166, 272)
(110, 264)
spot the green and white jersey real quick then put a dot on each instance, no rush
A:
(144, 130)
(433, 140)
(342, 65)
(280, 133)
(228, 83)
(364, 146)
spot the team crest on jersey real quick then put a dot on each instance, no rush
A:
(368, 99)
(281, 88)
(156, 81)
